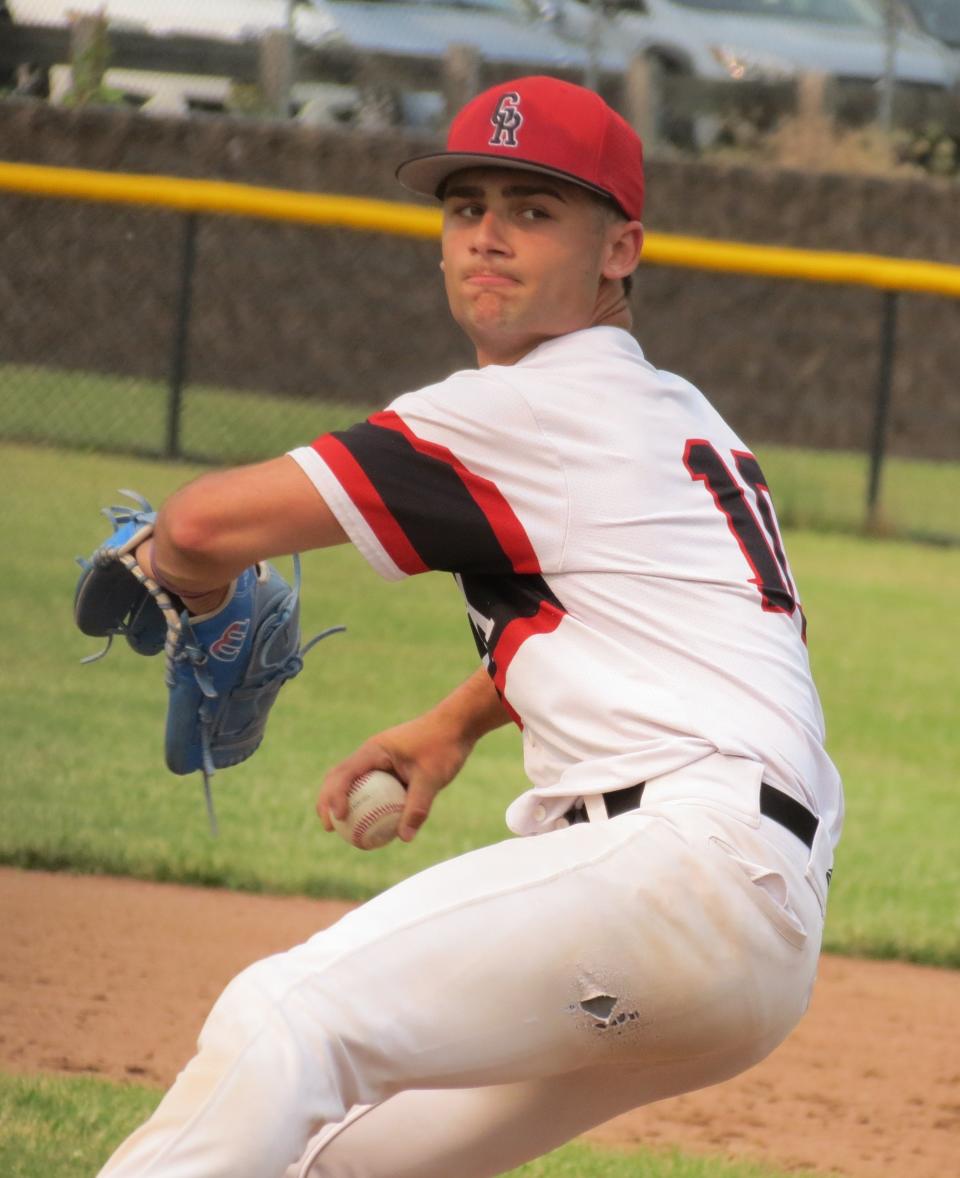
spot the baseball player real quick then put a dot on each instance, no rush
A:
(655, 927)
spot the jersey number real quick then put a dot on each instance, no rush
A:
(759, 539)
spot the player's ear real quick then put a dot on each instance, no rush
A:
(624, 241)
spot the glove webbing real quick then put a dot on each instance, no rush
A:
(163, 599)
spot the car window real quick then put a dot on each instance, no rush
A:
(940, 17)
(495, 5)
(840, 12)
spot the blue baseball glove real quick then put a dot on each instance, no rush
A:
(223, 670)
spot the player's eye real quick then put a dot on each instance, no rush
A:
(471, 210)
(534, 213)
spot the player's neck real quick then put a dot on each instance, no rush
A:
(612, 310)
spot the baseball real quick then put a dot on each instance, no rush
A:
(375, 803)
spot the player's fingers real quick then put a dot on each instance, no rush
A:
(323, 810)
(332, 799)
(420, 797)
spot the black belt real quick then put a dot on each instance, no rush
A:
(774, 803)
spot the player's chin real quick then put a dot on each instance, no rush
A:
(491, 308)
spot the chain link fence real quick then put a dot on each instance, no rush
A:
(216, 339)
(224, 339)
(207, 339)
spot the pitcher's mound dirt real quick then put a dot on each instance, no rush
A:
(113, 977)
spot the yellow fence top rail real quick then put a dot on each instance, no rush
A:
(220, 197)
(217, 196)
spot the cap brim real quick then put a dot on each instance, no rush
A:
(425, 174)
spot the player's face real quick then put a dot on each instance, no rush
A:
(527, 257)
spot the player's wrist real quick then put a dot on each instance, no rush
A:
(196, 600)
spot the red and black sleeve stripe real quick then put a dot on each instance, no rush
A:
(427, 509)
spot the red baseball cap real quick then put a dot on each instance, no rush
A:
(540, 124)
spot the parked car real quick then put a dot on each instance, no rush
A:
(938, 18)
(764, 39)
(730, 41)
(502, 31)
(224, 20)
(229, 20)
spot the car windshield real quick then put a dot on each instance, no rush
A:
(940, 17)
(495, 5)
(838, 12)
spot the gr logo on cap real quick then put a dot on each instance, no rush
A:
(540, 124)
(506, 119)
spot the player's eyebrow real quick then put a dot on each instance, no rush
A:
(476, 192)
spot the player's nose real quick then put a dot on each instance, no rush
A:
(489, 234)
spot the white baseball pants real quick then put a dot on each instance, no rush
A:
(492, 1007)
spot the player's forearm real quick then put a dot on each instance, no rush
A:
(215, 527)
(473, 709)
(193, 553)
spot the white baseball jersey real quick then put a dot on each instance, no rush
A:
(628, 589)
(620, 558)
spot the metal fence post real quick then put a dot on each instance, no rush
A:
(460, 77)
(181, 336)
(89, 57)
(275, 66)
(643, 99)
(888, 80)
(881, 405)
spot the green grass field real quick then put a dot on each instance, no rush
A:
(83, 788)
(819, 490)
(129, 415)
(68, 1127)
(82, 785)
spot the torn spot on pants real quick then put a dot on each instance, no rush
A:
(600, 1007)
